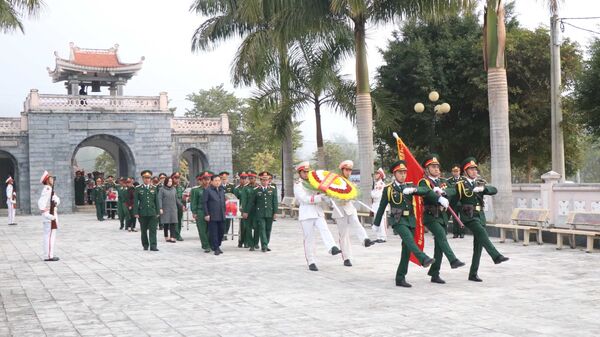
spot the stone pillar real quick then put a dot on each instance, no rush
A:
(34, 99)
(74, 84)
(163, 101)
(547, 193)
(120, 85)
(225, 123)
(112, 89)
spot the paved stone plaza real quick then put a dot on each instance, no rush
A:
(105, 284)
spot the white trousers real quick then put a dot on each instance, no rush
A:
(49, 237)
(381, 233)
(345, 225)
(11, 212)
(308, 228)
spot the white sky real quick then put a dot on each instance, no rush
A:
(162, 34)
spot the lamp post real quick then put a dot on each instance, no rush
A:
(438, 111)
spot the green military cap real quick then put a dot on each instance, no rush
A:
(199, 175)
(432, 158)
(264, 175)
(251, 173)
(468, 163)
(398, 165)
(243, 174)
(146, 174)
(223, 173)
(207, 174)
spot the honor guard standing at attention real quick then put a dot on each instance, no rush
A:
(237, 191)
(48, 205)
(145, 209)
(378, 185)
(457, 230)
(263, 202)
(99, 198)
(470, 192)
(179, 189)
(11, 200)
(435, 217)
(197, 208)
(228, 188)
(311, 217)
(122, 196)
(399, 195)
(248, 213)
(346, 218)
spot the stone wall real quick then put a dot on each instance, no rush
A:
(17, 147)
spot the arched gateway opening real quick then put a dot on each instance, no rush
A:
(8, 167)
(192, 162)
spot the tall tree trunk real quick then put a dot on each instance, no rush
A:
(287, 144)
(288, 165)
(320, 145)
(364, 112)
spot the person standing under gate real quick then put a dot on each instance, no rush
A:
(11, 200)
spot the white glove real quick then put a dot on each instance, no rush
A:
(444, 202)
(478, 189)
(409, 190)
(55, 199)
(438, 190)
(48, 216)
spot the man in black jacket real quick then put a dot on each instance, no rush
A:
(214, 213)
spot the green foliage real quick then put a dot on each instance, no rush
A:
(106, 164)
(587, 89)
(12, 13)
(336, 151)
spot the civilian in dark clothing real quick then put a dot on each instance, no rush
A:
(214, 213)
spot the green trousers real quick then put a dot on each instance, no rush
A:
(437, 227)
(178, 226)
(261, 225)
(252, 234)
(148, 230)
(122, 212)
(480, 240)
(227, 227)
(242, 233)
(202, 226)
(408, 246)
(100, 210)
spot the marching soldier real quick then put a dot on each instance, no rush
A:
(48, 204)
(346, 218)
(228, 188)
(145, 209)
(237, 191)
(457, 230)
(122, 196)
(99, 198)
(11, 200)
(179, 189)
(399, 195)
(311, 216)
(263, 203)
(248, 213)
(470, 192)
(197, 208)
(435, 217)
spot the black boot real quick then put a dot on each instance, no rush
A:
(475, 278)
(500, 259)
(335, 250)
(403, 283)
(347, 263)
(428, 262)
(456, 263)
(368, 242)
(437, 279)
(313, 267)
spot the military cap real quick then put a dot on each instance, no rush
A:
(468, 163)
(398, 165)
(303, 166)
(223, 173)
(243, 174)
(8, 179)
(264, 175)
(44, 177)
(430, 159)
(251, 173)
(146, 174)
(207, 174)
(346, 164)
(199, 175)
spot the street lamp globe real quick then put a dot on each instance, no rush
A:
(419, 107)
(434, 96)
(444, 108)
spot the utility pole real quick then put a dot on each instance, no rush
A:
(558, 148)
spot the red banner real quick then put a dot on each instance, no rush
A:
(414, 174)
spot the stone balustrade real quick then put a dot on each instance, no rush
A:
(191, 126)
(42, 103)
(10, 126)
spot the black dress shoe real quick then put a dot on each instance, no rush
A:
(335, 250)
(217, 252)
(428, 262)
(368, 242)
(264, 250)
(313, 267)
(154, 249)
(462, 236)
(456, 263)
(239, 245)
(145, 248)
(437, 279)
(475, 278)
(52, 259)
(347, 263)
(500, 259)
(268, 249)
(454, 236)
(256, 247)
(403, 283)
(251, 249)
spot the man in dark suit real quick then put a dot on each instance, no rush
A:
(213, 200)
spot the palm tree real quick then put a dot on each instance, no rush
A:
(13, 11)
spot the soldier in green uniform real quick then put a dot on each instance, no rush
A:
(237, 191)
(122, 196)
(248, 213)
(228, 188)
(263, 205)
(399, 195)
(470, 192)
(179, 189)
(197, 208)
(457, 230)
(79, 188)
(435, 217)
(145, 208)
(99, 198)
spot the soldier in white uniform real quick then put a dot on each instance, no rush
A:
(346, 218)
(11, 200)
(44, 204)
(376, 192)
(311, 216)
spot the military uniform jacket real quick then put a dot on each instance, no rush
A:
(247, 195)
(179, 195)
(472, 203)
(309, 202)
(44, 203)
(122, 194)
(99, 194)
(402, 207)
(264, 201)
(145, 201)
(196, 198)
(109, 185)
